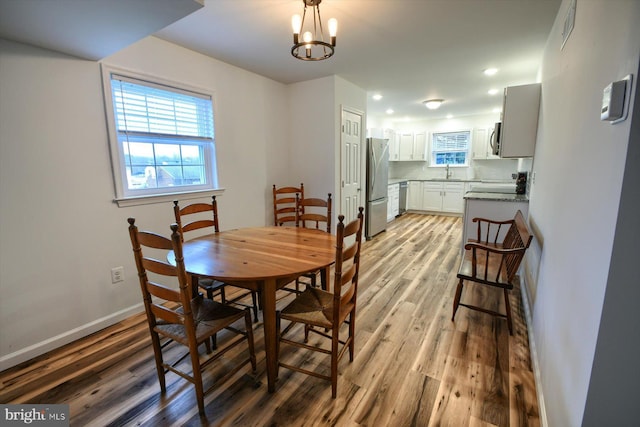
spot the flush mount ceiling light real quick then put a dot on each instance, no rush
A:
(433, 104)
(377, 97)
(490, 71)
(312, 47)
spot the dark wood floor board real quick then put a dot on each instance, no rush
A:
(524, 405)
(413, 366)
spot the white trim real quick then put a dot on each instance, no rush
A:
(52, 343)
(532, 343)
(167, 197)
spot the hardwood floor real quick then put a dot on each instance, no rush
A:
(413, 366)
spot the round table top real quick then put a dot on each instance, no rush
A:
(250, 254)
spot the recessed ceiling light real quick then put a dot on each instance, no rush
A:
(492, 91)
(490, 71)
(377, 97)
(433, 104)
(389, 111)
(497, 110)
(449, 116)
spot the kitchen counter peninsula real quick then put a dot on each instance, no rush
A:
(503, 197)
(496, 206)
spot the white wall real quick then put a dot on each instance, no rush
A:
(579, 166)
(60, 232)
(315, 117)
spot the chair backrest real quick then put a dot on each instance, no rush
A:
(155, 294)
(514, 244)
(196, 221)
(347, 266)
(314, 211)
(284, 204)
(518, 237)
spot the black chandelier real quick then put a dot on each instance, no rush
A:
(312, 47)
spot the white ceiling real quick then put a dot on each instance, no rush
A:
(406, 50)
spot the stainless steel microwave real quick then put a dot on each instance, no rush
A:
(495, 139)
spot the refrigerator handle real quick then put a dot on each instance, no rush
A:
(374, 165)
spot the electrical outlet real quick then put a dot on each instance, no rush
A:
(117, 274)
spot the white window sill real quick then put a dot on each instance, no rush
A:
(167, 197)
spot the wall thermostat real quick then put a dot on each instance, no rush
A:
(615, 100)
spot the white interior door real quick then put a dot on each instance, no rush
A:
(351, 164)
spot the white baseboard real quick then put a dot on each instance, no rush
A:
(526, 277)
(52, 343)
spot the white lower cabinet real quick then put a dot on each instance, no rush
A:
(432, 196)
(393, 201)
(436, 196)
(414, 196)
(453, 197)
(443, 197)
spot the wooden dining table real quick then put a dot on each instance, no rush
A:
(262, 259)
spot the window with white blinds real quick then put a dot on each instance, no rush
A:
(450, 148)
(164, 137)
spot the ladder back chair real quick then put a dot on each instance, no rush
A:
(493, 259)
(313, 213)
(323, 312)
(284, 204)
(191, 218)
(175, 316)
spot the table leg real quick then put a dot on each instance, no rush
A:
(324, 277)
(270, 333)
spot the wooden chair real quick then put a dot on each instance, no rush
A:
(284, 204)
(493, 259)
(197, 222)
(328, 311)
(312, 213)
(176, 316)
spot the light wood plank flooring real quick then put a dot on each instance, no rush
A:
(413, 366)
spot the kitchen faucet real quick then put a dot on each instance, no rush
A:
(449, 173)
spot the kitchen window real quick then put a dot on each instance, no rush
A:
(450, 148)
(162, 136)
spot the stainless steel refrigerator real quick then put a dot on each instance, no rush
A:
(377, 182)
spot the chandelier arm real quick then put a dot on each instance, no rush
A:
(319, 24)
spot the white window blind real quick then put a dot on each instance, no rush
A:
(145, 107)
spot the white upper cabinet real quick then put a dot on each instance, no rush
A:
(412, 146)
(406, 146)
(420, 146)
(393, 137)
(519, 121)
(481, 144)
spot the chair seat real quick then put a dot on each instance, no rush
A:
(210, 284)
(314, 307)
(466, 269)
(210, 317)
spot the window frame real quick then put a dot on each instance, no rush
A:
(432, 152)
(130, 197)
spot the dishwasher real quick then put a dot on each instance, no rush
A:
(403, 197)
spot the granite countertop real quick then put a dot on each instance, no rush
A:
(503, 197)
(396, 180)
